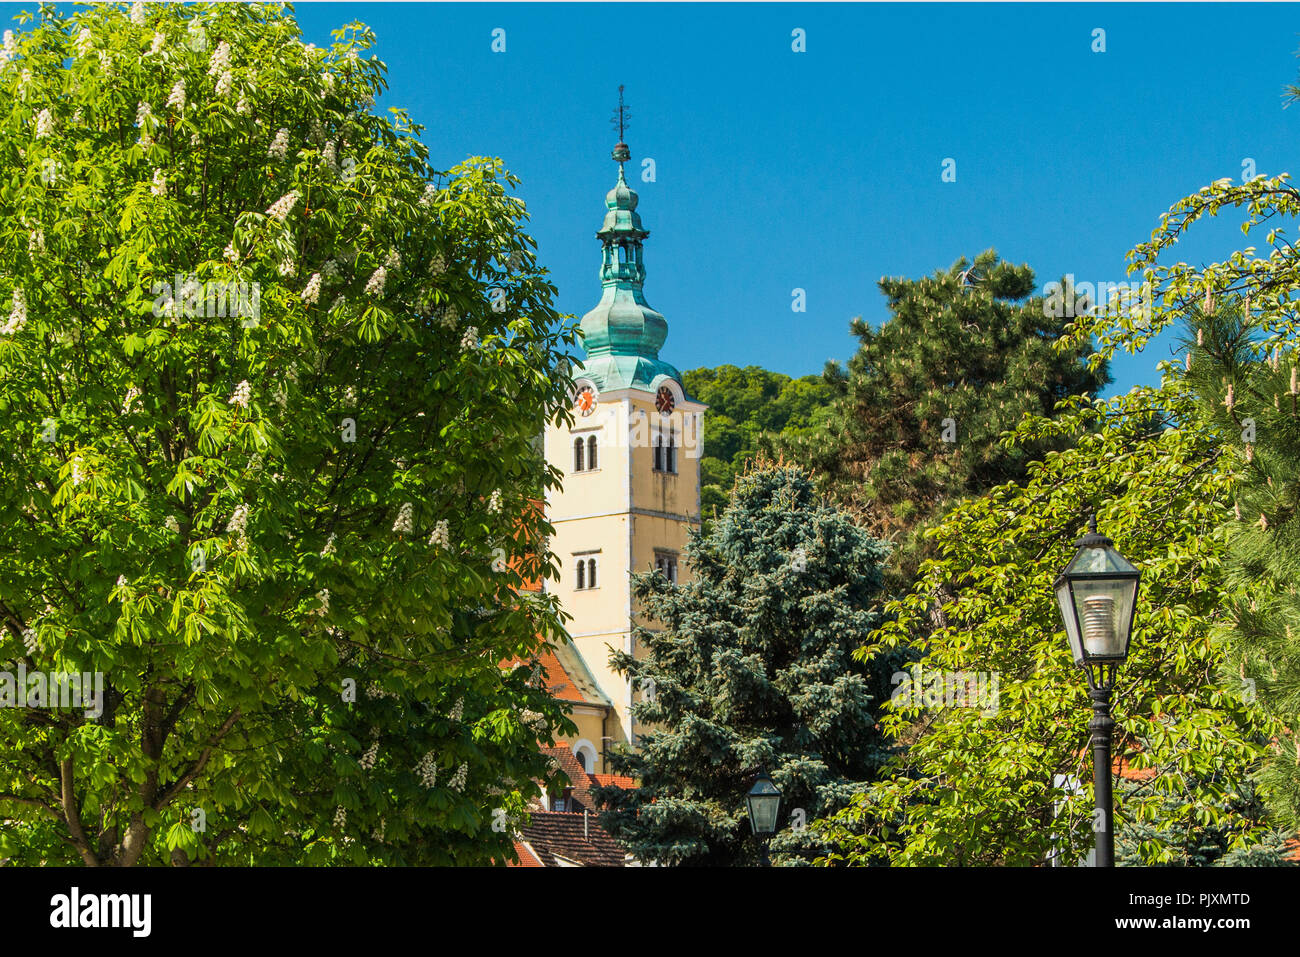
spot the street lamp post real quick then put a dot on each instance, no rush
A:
(1097, 592)
(763, 802)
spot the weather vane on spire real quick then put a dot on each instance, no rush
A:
(621, 153)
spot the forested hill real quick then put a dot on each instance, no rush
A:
(743, 405)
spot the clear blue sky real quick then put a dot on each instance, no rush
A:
(821, 169)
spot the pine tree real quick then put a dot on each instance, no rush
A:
(1238, 838)
(921, 407)
(753, 669)
(1251, 396)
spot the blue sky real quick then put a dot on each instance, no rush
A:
(821, 170)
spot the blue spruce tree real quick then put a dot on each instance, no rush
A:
(751, 668)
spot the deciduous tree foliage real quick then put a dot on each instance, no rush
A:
(1252, 351)
(239, 518)
(1002, 788)
(752, 668)
(963, 356)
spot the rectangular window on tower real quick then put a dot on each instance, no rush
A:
(666, 565)
(665, 452)
(584, 571)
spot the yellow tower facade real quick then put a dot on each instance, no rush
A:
(631, 490)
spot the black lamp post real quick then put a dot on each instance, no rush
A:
(763, 802)
(1097, 592)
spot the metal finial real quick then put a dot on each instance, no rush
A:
(1092, 522)
(621, 115)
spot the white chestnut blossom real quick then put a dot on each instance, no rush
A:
(159, 185)
(312, 292)
(288, 266)
(18, 314)
(143, 113)
(331, 269)
(241, 396)
(282, 207)
(78, 472)
(105, 63)
(458, 709)
(224, 83)
(494, 503)
(330, 155)
(238, 524)
(394, 260)
(131, 395)
(229, 253)
(469, 341)
(172, 525)
(84, 42)
(36, 241)
(242, 106)
(404, 523)
(367, 760)
(44, 124)
(279, 148)
(219, 62)
(375, 285)
(156, 46)
(439, 265)
(340, 817)
(329, 548)
(324, 596)
(31, 641)
(176, 99)
(441, 535)
(430, 192)
(428, 770)
(137, 13)
(457, 781)
(9, 50)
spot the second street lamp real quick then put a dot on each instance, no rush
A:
(763, 803)
(1097, 593)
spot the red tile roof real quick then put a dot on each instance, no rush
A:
(524, 857)
(576, 838)
(579, 779)
(615, 780)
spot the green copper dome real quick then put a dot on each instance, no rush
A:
(623, 334)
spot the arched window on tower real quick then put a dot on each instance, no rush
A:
(582, 574)
(591, 452)
(659, 452)
(670, 454)
(591, 573)
(577, 454)
(622, 254)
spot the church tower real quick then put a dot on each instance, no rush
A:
(631, 464)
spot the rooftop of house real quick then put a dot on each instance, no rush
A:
(563, 839)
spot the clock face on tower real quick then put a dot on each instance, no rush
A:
(664, 400)
(586, 400)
